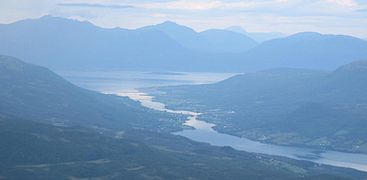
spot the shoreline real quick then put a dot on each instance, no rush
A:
(198, 126)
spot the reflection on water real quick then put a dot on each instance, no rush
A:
(204, 132)
(148, 102)
(340, 159)
(199, 125)
(125, 84)
(118, 81)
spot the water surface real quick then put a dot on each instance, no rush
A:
(126, 83)
(204, 132)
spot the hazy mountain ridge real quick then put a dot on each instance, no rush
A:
(307, 50)
(74, 44)
(257, 36)
(286, 106)
(81, 45)
(211, 41)
(355, 67)
(227, 42)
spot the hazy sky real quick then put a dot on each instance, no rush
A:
(287, 16)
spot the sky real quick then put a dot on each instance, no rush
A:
(286, 16)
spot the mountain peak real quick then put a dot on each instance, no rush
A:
(237, 29)
(306, 35)
(47, 16)
(168, 26)
(169, 23)
(314, 36)
(53, 21)
(11, 63)
(54, 18)
(357, 66)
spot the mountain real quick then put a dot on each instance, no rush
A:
(184, 35)
(257, 36)
(212, 41)
(34, 92)
(75, 45)
(226, 41)
(33, 150)
(325, 110)
(81, 45)
(51, 129)
(306, 50)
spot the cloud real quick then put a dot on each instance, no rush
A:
(204, 5)
(347, 3)
(182, 5)
(87, 5)
(288, 16)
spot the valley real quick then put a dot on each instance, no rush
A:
(201, 131)
(74, 133)
(183, 89)
(292, 107)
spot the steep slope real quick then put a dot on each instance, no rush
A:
(307, 50)
(286, 106)
(32, 150)
(34, 92)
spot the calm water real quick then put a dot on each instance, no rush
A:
(125, 84)
(117, 81)
(204, 132)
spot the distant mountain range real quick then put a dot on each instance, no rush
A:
(286, 106)
(212, 41)
(307, 50)
(65, 44)
(81, 45)
(257, 36)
